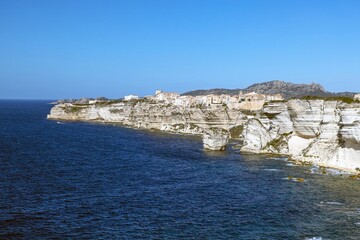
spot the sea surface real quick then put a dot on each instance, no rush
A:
(72, 180)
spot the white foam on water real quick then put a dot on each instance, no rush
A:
(280, 159)
(334, 171)
(334, 203)
(272, 170)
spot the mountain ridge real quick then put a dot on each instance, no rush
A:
(286, 89)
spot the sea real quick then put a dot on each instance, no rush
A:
(75, 180)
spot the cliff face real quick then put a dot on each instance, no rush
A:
(326, 133)
(150, 115)
(215, 139)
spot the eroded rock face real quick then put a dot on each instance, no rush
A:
(256, 136)
(150, 115)
(350, 125)
(215, 139)
(326, 133)
(278, 117)
(306, 117)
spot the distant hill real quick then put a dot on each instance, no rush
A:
(286, 89)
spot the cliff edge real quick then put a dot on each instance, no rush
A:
(322, 132)
(326, 133)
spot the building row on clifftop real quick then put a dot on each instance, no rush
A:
(246, 101)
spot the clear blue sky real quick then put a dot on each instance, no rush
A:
(70, 48)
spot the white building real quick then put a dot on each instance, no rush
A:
(168, 97)
(130, 97)
(184, 101)
(274, 97)
(251, 97)
(357, 96)
(234, 99)
(201, 100)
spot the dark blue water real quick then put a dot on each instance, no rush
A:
(82, 180)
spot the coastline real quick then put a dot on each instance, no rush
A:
(311, 131)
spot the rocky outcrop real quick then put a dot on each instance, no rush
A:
(257, 136)
(215, 139)
(152, 115)
(326, 133)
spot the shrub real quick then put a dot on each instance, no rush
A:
(270, 115)
(73, 109)
(276, 143)
(334, 98)
(236, 131)
(115, 110)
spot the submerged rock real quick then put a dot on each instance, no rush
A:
(215, 139)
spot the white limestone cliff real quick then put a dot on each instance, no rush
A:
(215, 139)
(150, 115)
(326, 133)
